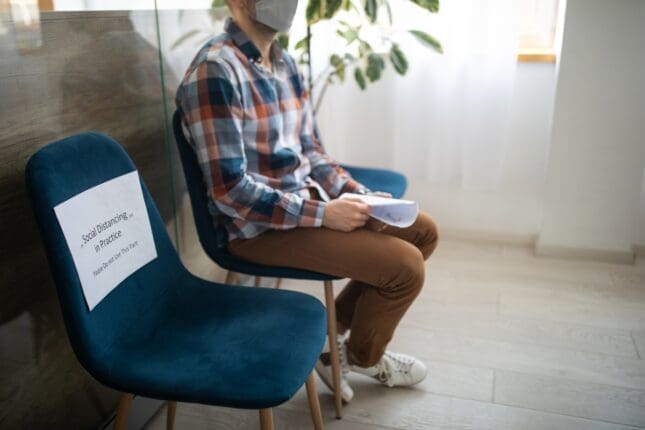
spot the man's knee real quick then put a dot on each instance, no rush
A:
(407, 270)
(429, 235)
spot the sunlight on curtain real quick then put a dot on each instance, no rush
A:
(538, 24)
(452, 111)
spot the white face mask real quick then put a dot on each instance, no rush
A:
(276, 14)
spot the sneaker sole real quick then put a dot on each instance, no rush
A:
(327, 379)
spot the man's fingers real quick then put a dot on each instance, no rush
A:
(359, 204)
(363, 208)
(353, 199)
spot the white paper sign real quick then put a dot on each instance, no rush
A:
(108, 233)
(396, 212)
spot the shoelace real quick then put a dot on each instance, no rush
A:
(385, 369)
(384, 373)
(405, 362)
(342, 355)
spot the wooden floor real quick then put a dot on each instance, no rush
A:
(511, 342)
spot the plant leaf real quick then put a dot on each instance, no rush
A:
(429, 5)
(301, 44)
(339, 66)
(184, 37)
(283, 40)
(375, 67)
(397, 57)
(428, 40)
(332, 7)
(348, 35)
(360, 79)
(340, 72)
(364, 48)
(388, 8)
(313, 11)
(371, 10)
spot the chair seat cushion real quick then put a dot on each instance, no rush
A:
(223, 345)
(235, 264)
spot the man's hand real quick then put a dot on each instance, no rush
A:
(345, 214)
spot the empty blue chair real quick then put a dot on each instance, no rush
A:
(210, 235)
(162, 332)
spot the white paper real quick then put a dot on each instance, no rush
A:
(396, 212)
(108, 232)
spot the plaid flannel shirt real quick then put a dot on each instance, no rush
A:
(255, 138)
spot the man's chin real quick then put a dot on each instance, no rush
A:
(265, 29)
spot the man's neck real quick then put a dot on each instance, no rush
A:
(261, 36)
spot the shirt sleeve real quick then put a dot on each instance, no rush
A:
(326, 171)
(213, 113)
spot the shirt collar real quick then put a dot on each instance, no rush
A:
(247, 46)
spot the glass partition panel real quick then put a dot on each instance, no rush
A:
(66, 66)
(184, 27)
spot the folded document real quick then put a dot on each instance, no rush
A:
(399, 213)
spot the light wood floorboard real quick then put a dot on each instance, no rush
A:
(639, 341)
(583, 399)
(511, 341)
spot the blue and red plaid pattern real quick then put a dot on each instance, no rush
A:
(255, 137)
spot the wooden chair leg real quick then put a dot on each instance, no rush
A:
(266, 419)
(257, 282)
(230, 277)
(170, 417)
(314, 404)
(333, 346)
(123, 410)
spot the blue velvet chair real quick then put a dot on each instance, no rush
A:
(385, 180)
(209, 233)
(162, 332)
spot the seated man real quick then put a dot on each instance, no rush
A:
(273, 187)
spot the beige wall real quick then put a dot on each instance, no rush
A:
(597, 151)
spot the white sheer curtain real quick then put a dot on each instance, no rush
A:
(452, 112)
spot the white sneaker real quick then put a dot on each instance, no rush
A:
(395, 370)
(323, 368)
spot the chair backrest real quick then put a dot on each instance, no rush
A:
(213, 237)
(57, 173)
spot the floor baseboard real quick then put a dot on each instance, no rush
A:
(486, 236)
(603, 255)
(639, 250)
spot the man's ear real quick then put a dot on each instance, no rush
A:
(240, 4)
(243, 5)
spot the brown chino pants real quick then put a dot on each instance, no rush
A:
(386, 269)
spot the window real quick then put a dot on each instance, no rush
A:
(538, 28)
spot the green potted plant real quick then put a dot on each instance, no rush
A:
(358, 56)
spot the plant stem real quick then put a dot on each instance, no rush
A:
(322, 95)
(309, 67)
(327, 82)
